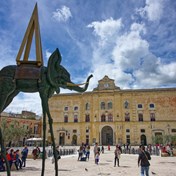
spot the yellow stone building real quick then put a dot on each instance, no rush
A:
(110, 115)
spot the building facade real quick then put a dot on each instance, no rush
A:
(110, 115)
(28, 120)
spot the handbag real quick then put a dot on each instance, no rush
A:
(59, 157)
(146, 157)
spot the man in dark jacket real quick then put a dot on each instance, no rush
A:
(143, 160)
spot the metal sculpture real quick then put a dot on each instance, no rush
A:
(46, 81)
(32, 76)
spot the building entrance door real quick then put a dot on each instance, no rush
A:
(107, 135)
(74, 140)
(62, 139)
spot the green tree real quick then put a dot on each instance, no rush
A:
(164, 139)
(13, 132)
(157, 139)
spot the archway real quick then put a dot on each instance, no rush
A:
(107, 135)
(74, 140)
(143, 140)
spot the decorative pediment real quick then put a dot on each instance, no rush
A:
(106, 84)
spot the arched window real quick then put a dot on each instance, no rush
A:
(110, 118)
(109, 105)
(103, 118)
(87, 118)
(102, 105)
(65, 118)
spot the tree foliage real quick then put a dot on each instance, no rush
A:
(13, 132)
(164, 139)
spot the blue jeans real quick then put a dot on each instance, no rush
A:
(145, 169)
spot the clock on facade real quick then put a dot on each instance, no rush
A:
(106, 85)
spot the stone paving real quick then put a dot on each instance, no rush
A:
(69, 166)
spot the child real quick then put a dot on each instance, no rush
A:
(97, 157)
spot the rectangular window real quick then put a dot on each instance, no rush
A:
(152, 116)
(110, 118)
(128, 139)
(76, 108)
(127, 117)
(173, 130)
(87, 118)
(127, 130)
(35, 129)
(103, 118)
(87, 139)
(74, 131)
(65, 118)
(66, 108)
(140, 117)
(140, 106)
(75, 118)
(151, 105)
(110, 105)
(142, 130)
(102, 105)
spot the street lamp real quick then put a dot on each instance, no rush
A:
(168, 128)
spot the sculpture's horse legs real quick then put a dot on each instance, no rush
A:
(44, 140)
(3, 153)
(46, 111)
(7, 94)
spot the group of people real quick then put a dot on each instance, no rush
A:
(143, 158)
(98, 150)
(83, 152)
(167, 149)
(14, 158)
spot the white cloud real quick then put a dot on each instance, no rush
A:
(130, 49)
(47, 54)
(106, 29)
(62, 14)
(129, 60)
(153, 10)
(26, 101)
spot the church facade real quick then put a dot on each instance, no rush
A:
(109, 115)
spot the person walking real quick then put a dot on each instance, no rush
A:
(24, 156)
(36, 153)
(102, 149)
(97, 157)
(18, 160)
(87, 152)
(95, 149)
(143, 161)
(117, 154)
(80, 152)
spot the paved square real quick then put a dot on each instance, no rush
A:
(69, 166)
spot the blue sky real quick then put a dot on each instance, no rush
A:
(131, 41)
